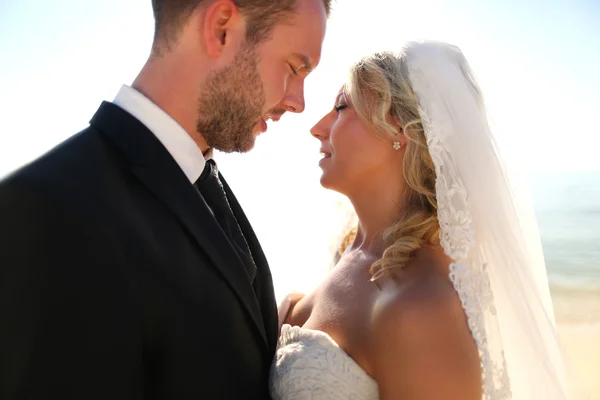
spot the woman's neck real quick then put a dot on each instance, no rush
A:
(377, 208)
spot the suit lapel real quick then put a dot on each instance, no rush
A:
(255, 248)
(269, 306)
(158, 171)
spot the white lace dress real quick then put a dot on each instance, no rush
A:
(309, 365)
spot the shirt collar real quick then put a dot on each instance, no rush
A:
(174, 138)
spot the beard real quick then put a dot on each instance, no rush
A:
(231, 103)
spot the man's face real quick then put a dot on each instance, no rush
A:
(263, 81)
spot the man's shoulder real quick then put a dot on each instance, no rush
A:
(70, 158)
(74, 164)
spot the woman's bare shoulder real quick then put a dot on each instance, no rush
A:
(422, 344)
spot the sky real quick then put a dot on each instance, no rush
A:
(537, 61)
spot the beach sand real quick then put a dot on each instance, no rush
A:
(578, 319)
(582, 347)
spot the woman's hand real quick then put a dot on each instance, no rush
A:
(287, 305)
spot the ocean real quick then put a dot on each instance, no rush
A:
(567, 208)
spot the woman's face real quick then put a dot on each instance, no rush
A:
(354, 156)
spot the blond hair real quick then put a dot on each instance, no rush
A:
(379, 86)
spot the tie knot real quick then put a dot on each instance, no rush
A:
(213, 166)
(209, 175)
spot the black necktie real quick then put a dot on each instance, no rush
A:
(211, 188)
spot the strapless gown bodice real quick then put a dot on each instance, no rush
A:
(310, 365)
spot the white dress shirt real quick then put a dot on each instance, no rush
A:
(176, 140)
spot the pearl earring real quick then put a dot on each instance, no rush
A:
(397, 145)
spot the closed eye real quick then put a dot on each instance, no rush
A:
(294, 70)
(340, 107)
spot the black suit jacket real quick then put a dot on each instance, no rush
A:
(116, 281)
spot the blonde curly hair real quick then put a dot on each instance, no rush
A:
(379, 87)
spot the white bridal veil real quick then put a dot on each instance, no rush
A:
(492, 237)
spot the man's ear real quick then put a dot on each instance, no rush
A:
(221, 25)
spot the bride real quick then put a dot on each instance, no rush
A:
(443, 292)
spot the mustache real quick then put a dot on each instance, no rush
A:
(276, 112)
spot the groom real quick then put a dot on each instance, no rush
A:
(127, 267)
